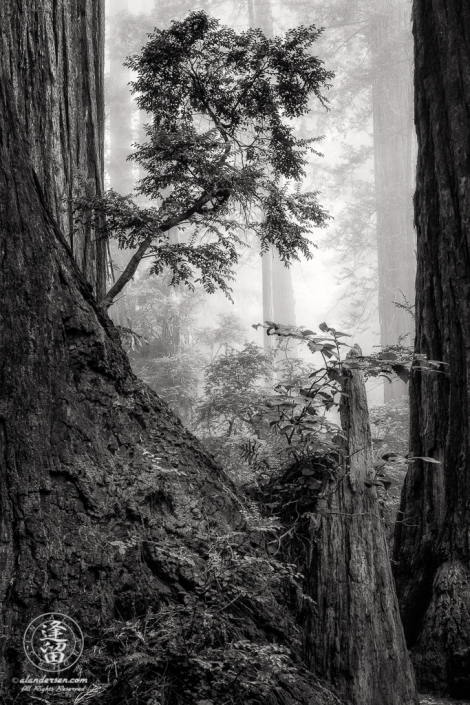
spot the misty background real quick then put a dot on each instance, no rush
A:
(364, 257)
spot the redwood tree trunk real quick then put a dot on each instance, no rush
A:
(54, 56)
(432, 535)
(392, 100)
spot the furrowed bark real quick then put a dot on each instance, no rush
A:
(54, 56)
(432, 548)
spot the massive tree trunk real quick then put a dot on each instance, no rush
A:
(107, 504)
(54, 58)
(432, 536)
(352, 632)
(393, 146)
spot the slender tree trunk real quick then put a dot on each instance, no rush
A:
(268, 298)
(393, 147)
(353, 633)
(120, 102)
(260, 13)
(121, 110)
(432, 535)
(283, 297)
(144, 119)
(278, 293)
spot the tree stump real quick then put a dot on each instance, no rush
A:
(353, 634)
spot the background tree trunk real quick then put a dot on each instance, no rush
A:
(278, 292)
(352, 633)
(121, 106)
(54, 56)
(121, 112)
(432, 535)
(393, 159)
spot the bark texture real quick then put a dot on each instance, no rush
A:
(53, 55)
(353, 633)
(432, 536)
(392, 102)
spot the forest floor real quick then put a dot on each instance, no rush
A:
(433, 700)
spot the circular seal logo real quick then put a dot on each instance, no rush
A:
(53, 642)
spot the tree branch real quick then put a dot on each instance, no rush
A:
(128, 273)
(139, 254)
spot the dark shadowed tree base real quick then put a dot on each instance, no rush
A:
(442, 653)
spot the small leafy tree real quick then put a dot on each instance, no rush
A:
(228, 412)
(233, 392)
(298, 411)
(230, 416)
(222, 156)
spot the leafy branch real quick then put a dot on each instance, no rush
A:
(299, 412)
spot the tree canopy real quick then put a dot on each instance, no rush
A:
(222, 156)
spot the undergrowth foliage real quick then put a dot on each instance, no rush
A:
(291, 433)
(205, 647)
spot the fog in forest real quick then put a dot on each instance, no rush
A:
(363, 259)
